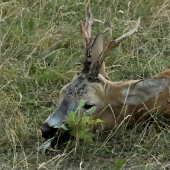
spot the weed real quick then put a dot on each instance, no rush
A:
(77, 126)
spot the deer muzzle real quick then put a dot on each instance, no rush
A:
(56, 119)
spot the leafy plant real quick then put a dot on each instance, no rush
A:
(117, 166)
(78, 123)
(45, 145)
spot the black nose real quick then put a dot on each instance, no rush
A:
(47, 131)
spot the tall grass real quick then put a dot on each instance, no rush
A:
(40, 51)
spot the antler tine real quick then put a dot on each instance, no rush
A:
(89, 22)
(123, 37)
(110, 45)
(87, 35)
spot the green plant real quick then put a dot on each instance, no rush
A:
(79, 123)
(117, 166)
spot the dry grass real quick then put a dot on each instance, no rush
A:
(41, 49)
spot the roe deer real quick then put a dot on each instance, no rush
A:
(115, 102)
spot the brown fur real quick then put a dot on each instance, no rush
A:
(114, 116)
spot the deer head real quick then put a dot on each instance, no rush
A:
(92, 84)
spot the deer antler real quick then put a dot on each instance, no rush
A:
(110, 45)
(87, 34)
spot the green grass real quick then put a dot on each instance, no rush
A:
(40, 51)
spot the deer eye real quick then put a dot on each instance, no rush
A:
(87, 106)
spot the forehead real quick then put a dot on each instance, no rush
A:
(77, 85)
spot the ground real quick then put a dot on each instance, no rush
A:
(41, 49)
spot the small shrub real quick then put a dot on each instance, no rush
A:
(77, 126)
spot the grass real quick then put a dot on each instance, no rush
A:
(40, 51)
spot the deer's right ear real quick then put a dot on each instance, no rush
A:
(144, 90)
(97, 48)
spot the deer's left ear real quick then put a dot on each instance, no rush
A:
(144, 90)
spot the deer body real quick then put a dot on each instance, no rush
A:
(116, 102)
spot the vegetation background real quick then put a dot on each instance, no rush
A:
(40, 51)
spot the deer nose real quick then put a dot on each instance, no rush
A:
(47, 131)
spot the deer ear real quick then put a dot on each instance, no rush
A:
(97, 48)
(144, 90)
